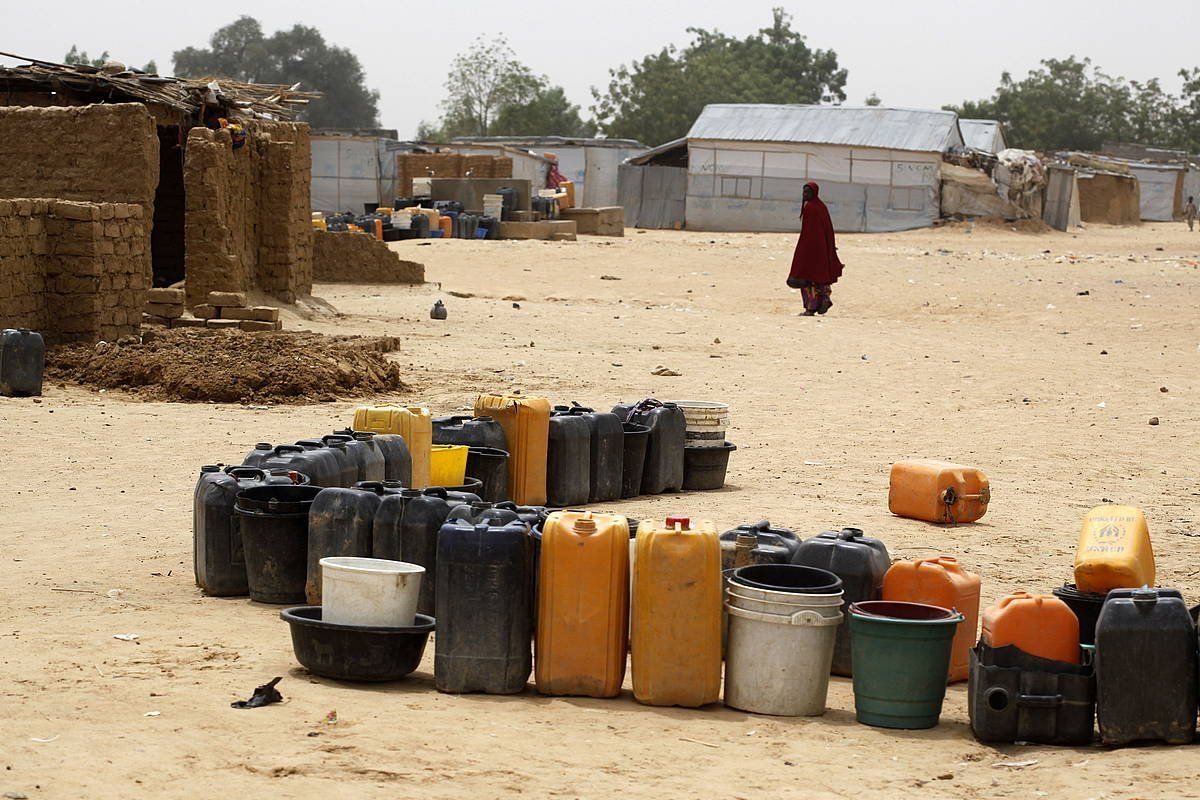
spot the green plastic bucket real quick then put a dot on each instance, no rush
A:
(900, 658)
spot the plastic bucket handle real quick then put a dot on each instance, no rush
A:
(804, 618)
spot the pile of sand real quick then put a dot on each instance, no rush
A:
(190, 364)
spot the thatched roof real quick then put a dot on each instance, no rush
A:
(111, 83)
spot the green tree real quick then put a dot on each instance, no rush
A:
(1067, 104)
(77, 56)
(491, 93)
(241, 51)
(658, 98)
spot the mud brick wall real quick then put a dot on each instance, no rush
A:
(72, 270)
(248, 219)
(94, 153)
(360, 258)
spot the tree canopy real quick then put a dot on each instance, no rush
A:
(241, 51)
(657, 98)
(490, 93)
(1069, 104)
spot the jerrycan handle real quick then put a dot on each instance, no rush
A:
(288, 448)
(850, 534)
(336, 437)
(371, 486)
(237, 473)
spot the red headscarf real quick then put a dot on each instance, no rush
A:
(816, 258)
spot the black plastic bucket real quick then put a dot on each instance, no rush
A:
(489, 465)
(274, 527)
(704, 467)
(636, 438)
(356, 652)
(787, 578)
(1086, 605)
(470, 485)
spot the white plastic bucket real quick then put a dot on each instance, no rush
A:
(706, 422)
(780, 650)
(372, 592)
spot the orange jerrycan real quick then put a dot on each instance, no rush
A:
(1039, 624)
(583, 604)
(526, 424)
(938, 491)
(413, 423)
(1114, 550)
(677, 614)
(940, 582)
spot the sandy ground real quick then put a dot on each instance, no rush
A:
(1038, 357)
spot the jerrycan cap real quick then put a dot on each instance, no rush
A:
(585, 524)
(1144, 596)
(850, 534)
(264, 446)
(210, 468)
(683, 522)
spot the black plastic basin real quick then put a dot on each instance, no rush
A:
(355, 652)
(787, 578)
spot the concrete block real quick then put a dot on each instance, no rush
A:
(188, 322)
(227, 299)
(222, 323)
(256, 325)
(150, 319)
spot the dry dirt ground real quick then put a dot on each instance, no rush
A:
(1038, 357)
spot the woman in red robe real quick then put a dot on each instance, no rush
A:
(815, 265)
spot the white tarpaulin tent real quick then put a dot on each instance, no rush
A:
(347, 172)
(986, 135)
(879, 169)
(1159, 184)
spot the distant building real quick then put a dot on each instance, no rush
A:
(879, 169)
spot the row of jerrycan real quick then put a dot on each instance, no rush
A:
(341, 459)
(485, 614)
(570, 455)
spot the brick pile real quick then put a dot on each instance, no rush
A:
(448, 165)
(229, 310)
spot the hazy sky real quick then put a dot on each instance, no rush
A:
(916, 54)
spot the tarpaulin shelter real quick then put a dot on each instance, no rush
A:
(986, 135)
(879, 168)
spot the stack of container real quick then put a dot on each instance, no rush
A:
(706, 453)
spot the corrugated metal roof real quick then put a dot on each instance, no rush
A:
(980, 134)
(548, 141)
(887, 128)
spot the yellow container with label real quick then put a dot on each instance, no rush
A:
(583, 604)
(1114, 550)
(448, 464)
(526, 424)
(676, 645)
(413, 423)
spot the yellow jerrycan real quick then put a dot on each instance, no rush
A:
(1114, 550)
(526, 424)
(938, 491)
(583, 604)
(413, 423)
(676, 642)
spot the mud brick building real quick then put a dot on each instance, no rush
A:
(131, 178)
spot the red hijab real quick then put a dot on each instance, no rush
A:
(816, 258)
